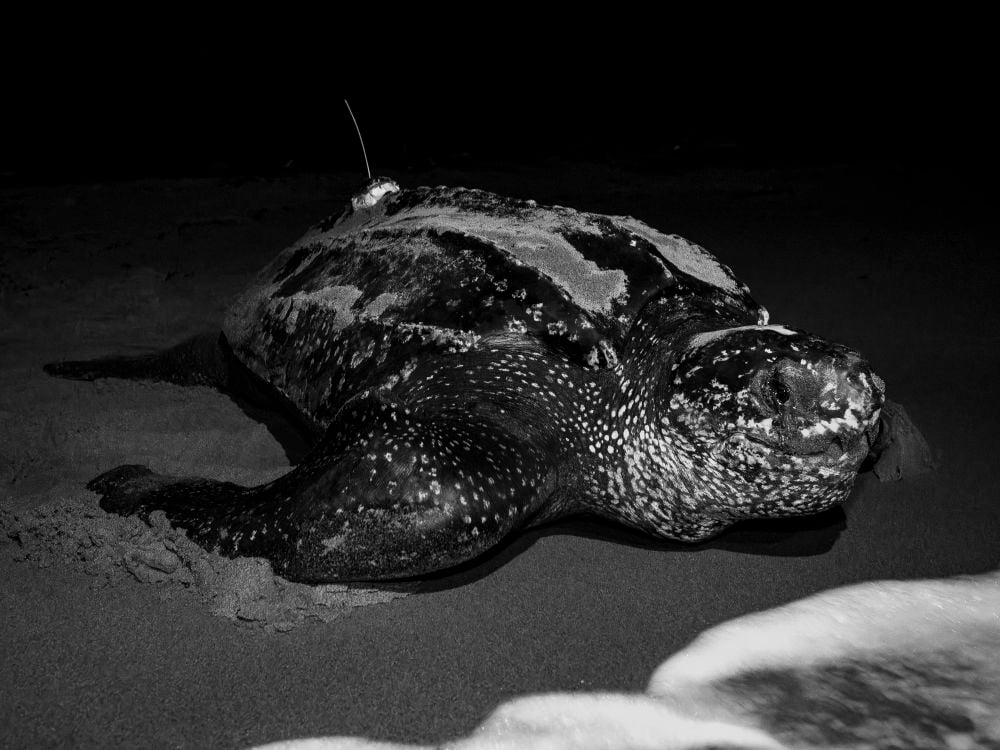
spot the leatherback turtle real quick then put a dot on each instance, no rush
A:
(469, 364)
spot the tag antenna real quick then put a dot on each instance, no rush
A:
(363, 152)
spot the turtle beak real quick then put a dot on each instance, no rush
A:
(828, 406)
(867, 390)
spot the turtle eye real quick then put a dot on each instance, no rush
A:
(780, 392)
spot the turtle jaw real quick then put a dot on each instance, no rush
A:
(835, 453)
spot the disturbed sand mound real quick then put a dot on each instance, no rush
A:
(57, 434)
(113, 549)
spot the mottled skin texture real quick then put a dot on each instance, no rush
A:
(469, 364)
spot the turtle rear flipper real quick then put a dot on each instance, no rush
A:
(386, 494)
(206, 360)
(200, 360)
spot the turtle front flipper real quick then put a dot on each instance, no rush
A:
(132, 489)
(123, 488)
(386, 494)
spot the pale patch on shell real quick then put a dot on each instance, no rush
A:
(338, 299)
(379, 305)
(690, 258)
(262, 298)
(532, 238)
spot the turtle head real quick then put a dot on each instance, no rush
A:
(774, 421)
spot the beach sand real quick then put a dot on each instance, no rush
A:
(122, 634)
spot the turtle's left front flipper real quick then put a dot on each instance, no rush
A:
(387, 493)
(203, 507)
(899, 451)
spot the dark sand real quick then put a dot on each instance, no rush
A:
(897, 262)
